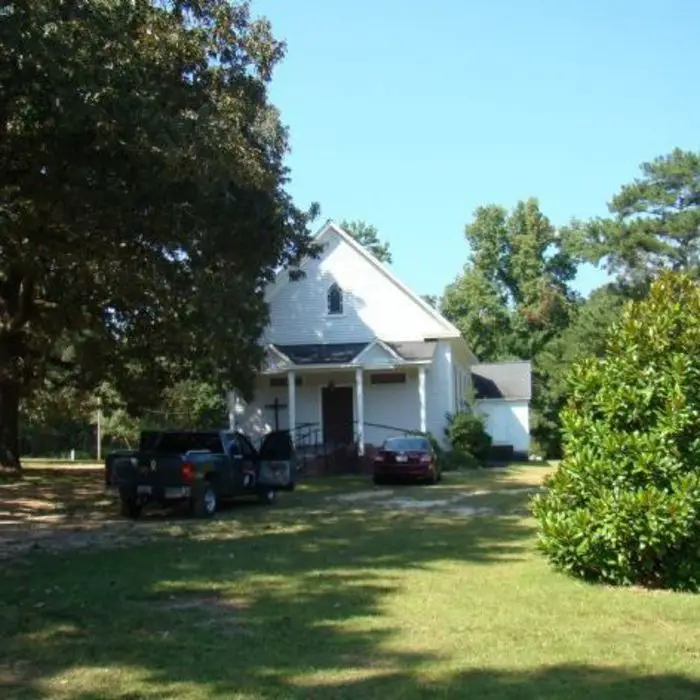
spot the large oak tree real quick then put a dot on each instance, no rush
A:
(142, 195)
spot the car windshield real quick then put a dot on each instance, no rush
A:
(402, 444)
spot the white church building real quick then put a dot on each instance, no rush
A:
(354, 356)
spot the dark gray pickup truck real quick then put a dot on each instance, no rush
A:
(200, 468)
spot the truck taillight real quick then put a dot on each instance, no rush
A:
(187, 471)
(379, 458)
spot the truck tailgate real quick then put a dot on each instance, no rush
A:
(149, 468)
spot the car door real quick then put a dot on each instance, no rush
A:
(246, 471)
(277, 461)
(232, 473)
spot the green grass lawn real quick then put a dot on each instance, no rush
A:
(317, 598)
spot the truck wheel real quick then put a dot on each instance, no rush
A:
(204, 504)
(129, 507)
(267, 496)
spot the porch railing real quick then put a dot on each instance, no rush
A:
(316, 453)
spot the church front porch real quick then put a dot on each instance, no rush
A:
(340, 408)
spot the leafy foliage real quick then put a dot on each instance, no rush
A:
(368, 236)
(655, 223)
(624, 505)
(466, 432)
(56, 421)
(120, 429)
(142, 196)
(191, 404)
(451, 460)
(584, 337)
(514, 294)
(514, 298)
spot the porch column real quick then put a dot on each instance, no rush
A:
(292, 403)
(460, 389)
(421, 399)
(450, 386)
(360, 401)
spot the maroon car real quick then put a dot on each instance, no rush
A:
(407, 457)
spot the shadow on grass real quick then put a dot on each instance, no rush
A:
(568, 682)
(61, 493)
(281, 603)
(251, 603)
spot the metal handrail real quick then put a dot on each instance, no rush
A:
(311, 444)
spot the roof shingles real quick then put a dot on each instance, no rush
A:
(345, 353)
(503, 380)
(322, 354)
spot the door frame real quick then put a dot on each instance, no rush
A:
(353, 394)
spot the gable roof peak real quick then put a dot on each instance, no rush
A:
(452, 331)
(332, 227)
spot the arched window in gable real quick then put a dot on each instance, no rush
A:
(335, 300)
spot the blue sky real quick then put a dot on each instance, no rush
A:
(408, 115)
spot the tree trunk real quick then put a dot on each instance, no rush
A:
(9, 424)
(16, 308)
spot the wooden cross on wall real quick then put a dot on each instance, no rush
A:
(276, 406)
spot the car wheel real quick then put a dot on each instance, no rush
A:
(267, 496)
(130, 508)
(204, 505)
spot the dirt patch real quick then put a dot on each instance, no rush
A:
(20, 541)
(456, 504)
(362, 496)
(63, 495)
(446, 506)
(63, 508)
(502, 492)
(386, 498)
(56, 509)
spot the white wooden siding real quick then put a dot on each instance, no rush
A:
(437, 386)
(508, 422)
(393, 405)
(377, 356)
(373, 305)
